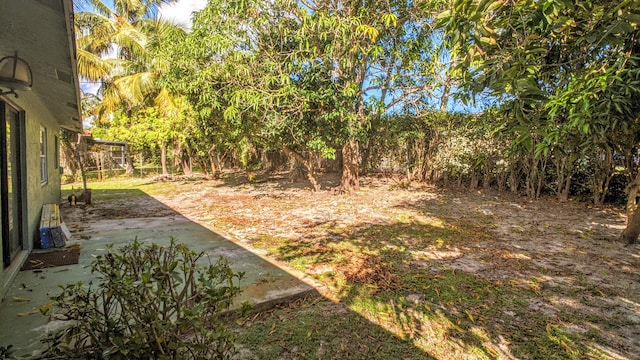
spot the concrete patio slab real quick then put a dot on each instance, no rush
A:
(21, 324)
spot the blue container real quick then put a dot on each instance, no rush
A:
(45, 238)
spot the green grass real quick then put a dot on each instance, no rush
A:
(472, 315)
(320, 330)
(122, 187)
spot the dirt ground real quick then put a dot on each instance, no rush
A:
(565, 253)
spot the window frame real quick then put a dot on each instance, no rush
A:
(44, 169)
(56, 152)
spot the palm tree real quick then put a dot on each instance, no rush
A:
(118, 47)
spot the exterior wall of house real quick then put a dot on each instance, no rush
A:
(41, 32)
(39, 192)
(35, 192)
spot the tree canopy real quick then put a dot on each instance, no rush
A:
(374, 82)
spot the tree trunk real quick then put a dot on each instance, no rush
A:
(71, 160)
(603, 172)
(513, 180)
(79, 159)
(214, 161)
(487, 174)
(163, 158)
(128, 161)
(308, 165)
(409, 160)
(185, 157)
(501, 180)
(631, 232)
(176, 151)
(475, 180)
(567, 187)
(444, 99)
(564, 173)
(350, 181)
(541, 172)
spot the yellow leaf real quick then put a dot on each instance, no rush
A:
(492, 352)
(34, 311)
(20, 299)
(470, 316)
(44, 308)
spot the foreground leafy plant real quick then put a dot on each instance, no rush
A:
(6, 352)
(151, 301)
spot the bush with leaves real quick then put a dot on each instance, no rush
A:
(151, 302)
(6, 352)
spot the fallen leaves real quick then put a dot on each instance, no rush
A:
(369, 269)
(42, 310)
(535, 251)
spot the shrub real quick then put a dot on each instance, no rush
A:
(151, 302)
(6, 352)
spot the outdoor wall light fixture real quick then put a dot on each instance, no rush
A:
(15, 74)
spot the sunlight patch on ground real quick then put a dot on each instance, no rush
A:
(436, 254)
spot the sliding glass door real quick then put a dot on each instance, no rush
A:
(11, 183)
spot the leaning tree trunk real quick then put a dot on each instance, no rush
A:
(185, 161)
(350, 167)
(631, 232)
(308, 164)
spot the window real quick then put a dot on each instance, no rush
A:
(56, 154)
(43, 155)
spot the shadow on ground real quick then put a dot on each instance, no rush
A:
(274, 180)
(118, 216)
(451, 284)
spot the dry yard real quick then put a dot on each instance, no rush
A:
(418, 272)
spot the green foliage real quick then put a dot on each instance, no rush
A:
(566, 76)
(309, 77)
(120, 46)
(557, 65)
(6, 352)
(151, 301)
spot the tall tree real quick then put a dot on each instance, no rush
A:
(117, 47)
(309, 76)
(560, 66)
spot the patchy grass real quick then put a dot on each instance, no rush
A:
(423, 273)
(322, 329)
